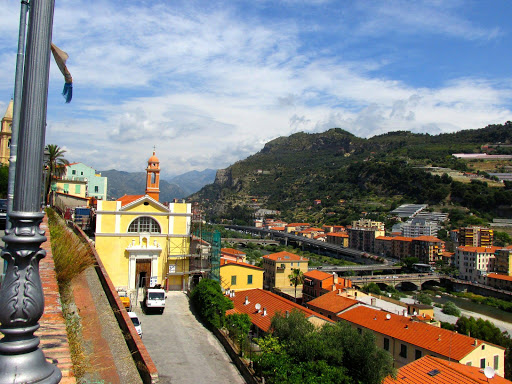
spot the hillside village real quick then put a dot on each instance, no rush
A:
(144, 243)
(165, 250)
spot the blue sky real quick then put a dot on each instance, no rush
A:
(210, 82)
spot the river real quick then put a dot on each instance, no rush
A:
(500, 318)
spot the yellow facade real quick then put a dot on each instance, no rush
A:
(277, 271)
(240, 277)
(133, 254)
(5, 135)
(71, 187)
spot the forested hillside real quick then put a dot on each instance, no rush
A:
(347, 175)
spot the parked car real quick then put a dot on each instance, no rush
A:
(125, 300)
(3, 213)
(136, 322)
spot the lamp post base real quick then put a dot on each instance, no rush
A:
(29, 367)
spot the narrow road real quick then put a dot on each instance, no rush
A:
(183, 350)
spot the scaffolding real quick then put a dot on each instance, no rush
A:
(214, 241)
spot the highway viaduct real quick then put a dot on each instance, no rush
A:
(320, 247)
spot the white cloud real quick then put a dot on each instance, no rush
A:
(209, 85)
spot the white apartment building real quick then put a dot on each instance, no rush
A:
(474, 263)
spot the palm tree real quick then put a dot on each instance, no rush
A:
(55, 165)
(296, 278)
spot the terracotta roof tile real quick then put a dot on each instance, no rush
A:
(438, 340)
(297, 224)
(232, 251)
(499, 277)
(333, 302)
(127, 199)
(478, 249)
(450, 372)
(224, 262)
(285, 256)
(402, 238)
(428, 238)
(318, 275)
(271, 302)
(384, 238)
(337, 234)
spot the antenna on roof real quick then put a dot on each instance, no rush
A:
(388, 316)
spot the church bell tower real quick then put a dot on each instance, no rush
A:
(153, 177)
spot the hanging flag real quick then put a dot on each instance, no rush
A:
(60, 59)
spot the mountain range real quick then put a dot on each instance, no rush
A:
(178, 187)
(336, 176)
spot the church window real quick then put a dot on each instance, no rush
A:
(144, 224)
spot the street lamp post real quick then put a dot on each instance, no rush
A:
(21, 295)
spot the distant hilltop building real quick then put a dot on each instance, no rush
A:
(481, 156)
(5, 135)
(408, 210)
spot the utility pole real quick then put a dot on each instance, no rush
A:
(21, 295)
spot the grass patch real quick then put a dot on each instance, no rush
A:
(71, 257)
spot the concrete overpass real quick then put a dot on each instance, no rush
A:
(235, 240)
(318, 246)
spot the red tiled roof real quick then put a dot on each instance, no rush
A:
(450, 372)
(318, 275)
(438, 340)
(277, 228)
(337, 234)
(224, 262)
(447, 254)
(466, 248)
(384, 238)
(333, 302)
(232, 250)
(428, 238)
(297, 224)
(499, 277)
(127, 199)
(271, 302)
(402, 238)
(284, 256)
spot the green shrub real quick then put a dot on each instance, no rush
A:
(423, 298)
(449, 308)
(209, 301)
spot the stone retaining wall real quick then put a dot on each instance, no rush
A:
(53, 334)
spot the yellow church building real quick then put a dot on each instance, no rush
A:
(142, 242)
(5, 135)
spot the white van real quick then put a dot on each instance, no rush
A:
(154, 299)
(136, 322)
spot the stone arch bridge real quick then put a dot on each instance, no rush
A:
(412, 280)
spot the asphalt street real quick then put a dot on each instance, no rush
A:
(184, 351)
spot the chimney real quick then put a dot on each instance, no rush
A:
(335, 277)
(373, 301)
(339, 292)
(264, 311)
(287, 314)
(476, 342)
(404, 312)
(246, 300)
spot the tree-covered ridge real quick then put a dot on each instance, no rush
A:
(350, 175)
